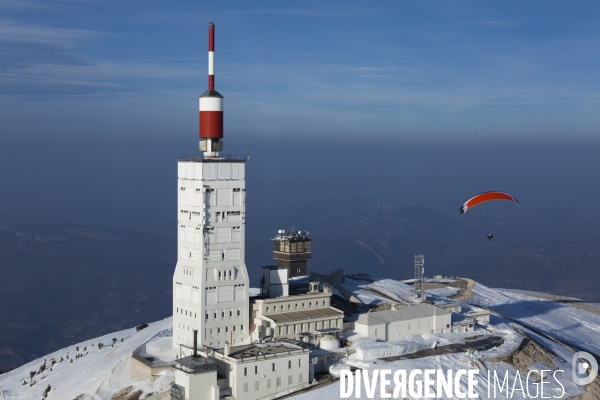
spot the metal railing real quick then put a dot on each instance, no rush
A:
(221, 157)
(196, 367)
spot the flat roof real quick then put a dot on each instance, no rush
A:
(260, 350)
(328, 330)
(304, 314)
(195, 364)
(220, 158)
(404, 313)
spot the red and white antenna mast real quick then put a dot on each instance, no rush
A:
(211, 106)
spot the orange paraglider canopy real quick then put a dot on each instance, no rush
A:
(486, 196)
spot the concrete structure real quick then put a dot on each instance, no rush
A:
(262, 371)
(301, 317)
(403, 321)
(479, 315)
(450, 307)
(292, 250)
(210, 284)
(274, 281)
(419, 270)
(145, 367)
(195, 378)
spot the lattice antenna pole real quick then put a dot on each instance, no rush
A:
(419, 262)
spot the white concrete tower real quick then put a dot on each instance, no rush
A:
(210, 284)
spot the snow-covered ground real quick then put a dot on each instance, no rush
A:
(536, 294)
(90, 376)
(98, 373)
(443, 292)
(432, 280)
(559, 320)
(367, 349)
(382, 290)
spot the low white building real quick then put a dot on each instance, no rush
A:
(263, 371)
(403, 321)
(479, 315)
(248, 372)
(195, 378)
(301, 317)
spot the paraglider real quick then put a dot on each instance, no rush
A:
(484, 197)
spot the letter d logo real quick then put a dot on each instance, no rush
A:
(584, 368)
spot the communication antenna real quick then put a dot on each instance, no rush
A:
(418, 286)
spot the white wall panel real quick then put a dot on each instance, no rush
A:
(212, 171)
(223, 235)
(198, 170)
(215, 255)
(178, 292)
(211, 297)
(211, 275)
(189, 195)
(225, 293)
(184, 253)
(223, 197)
(189, 170)
(224, 171)
(239, 293)
(187, 292)
(233, 254)
(237, 198)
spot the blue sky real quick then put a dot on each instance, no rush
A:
(432, 70)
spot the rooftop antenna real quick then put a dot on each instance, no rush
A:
(418, 285)
(211, 107)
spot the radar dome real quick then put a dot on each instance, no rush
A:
(328, 342)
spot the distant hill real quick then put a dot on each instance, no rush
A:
(63, 284)
(60, 284)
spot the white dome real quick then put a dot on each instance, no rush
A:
(328, 342)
